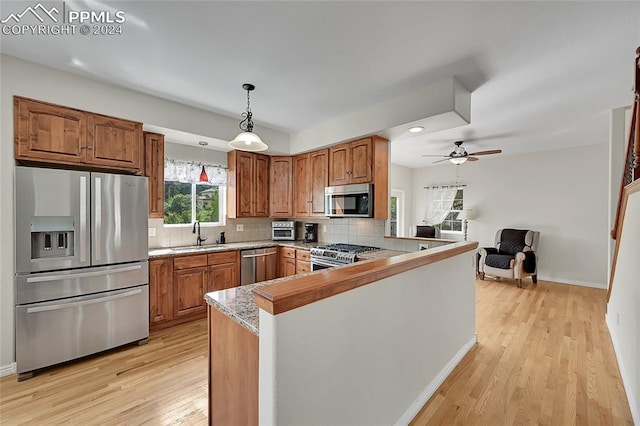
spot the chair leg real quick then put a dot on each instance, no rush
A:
(519, 281)
(534, 278)
(482, 276)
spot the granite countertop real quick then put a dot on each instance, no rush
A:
(238, 302)
(211, 248)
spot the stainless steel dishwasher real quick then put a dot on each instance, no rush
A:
(258, 265)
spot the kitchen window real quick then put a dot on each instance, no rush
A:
(187, 200)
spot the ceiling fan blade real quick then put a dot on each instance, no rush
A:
(492, 151)
(435, 155)
(440, 161)
(472, 158)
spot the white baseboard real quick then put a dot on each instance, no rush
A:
(560, 280)
(432, 387)
(635, 413)
(7, 370)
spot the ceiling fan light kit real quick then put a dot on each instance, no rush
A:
(247, 140)
(459, 155)
(458, 160)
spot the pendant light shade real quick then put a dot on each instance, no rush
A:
(203, 174)
(247, 140)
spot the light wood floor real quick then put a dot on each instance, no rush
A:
(544, 356)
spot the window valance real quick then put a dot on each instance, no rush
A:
(189, 172)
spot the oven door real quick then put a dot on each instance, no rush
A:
(318, 264)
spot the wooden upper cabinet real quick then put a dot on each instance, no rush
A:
(340, 164)
(56, 134)
(51, 133)
(361, 161)
(351, 163)
(311, 177)
(114, 142)
(247, 184)
(281, 187)
(261, 186)
(154, 170)
(302, 180)
(319, 180)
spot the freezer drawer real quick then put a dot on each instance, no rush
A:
(47, 286)
(49, 333)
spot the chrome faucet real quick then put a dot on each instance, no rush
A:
(199, 239)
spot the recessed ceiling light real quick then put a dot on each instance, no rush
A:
(416, 129)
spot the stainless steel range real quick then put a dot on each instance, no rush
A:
(328, 256)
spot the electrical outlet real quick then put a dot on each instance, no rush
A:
(152, 232)
(240, 227)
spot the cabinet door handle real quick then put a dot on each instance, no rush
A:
(89, 147)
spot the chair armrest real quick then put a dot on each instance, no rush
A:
(487, 250)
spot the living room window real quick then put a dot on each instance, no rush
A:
(451, 223)
(444, 204)
(186, 199)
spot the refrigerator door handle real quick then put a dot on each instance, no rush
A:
(83, 274)
(83, 218)
(82, 302)
(98, 219)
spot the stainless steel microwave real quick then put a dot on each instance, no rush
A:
(349, 200)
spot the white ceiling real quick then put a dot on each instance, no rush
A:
(543, 75)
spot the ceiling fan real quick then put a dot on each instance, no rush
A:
(459, 155)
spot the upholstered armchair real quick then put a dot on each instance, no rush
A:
(514, 256)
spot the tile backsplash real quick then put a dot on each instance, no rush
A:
(176, 236)
(368, 232)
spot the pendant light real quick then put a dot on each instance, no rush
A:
(203, 174)
(247, 140)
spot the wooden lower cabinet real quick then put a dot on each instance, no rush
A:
(303, 261)
(286, 261)
(233, 372)
(177, 285)
(189, 287)
(160, 290)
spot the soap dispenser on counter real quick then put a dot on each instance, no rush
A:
(222, 239)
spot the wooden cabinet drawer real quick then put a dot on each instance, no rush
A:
(189, 261)
(223, 257)
(303, 255)
(288, 252)
(302, 267)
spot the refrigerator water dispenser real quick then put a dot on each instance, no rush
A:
(51, 236)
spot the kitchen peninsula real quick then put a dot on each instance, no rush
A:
(365, 341)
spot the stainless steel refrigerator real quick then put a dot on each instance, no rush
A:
(82, 274)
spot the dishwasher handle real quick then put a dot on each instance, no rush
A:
(248, 256)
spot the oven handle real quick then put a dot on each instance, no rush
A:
(82, 302)
(326, 262)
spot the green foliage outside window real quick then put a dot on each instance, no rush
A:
(179, 200)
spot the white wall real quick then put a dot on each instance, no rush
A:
(372, 355)
(563, 194)
(400, 178)
(22, 78)
(623, 316)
